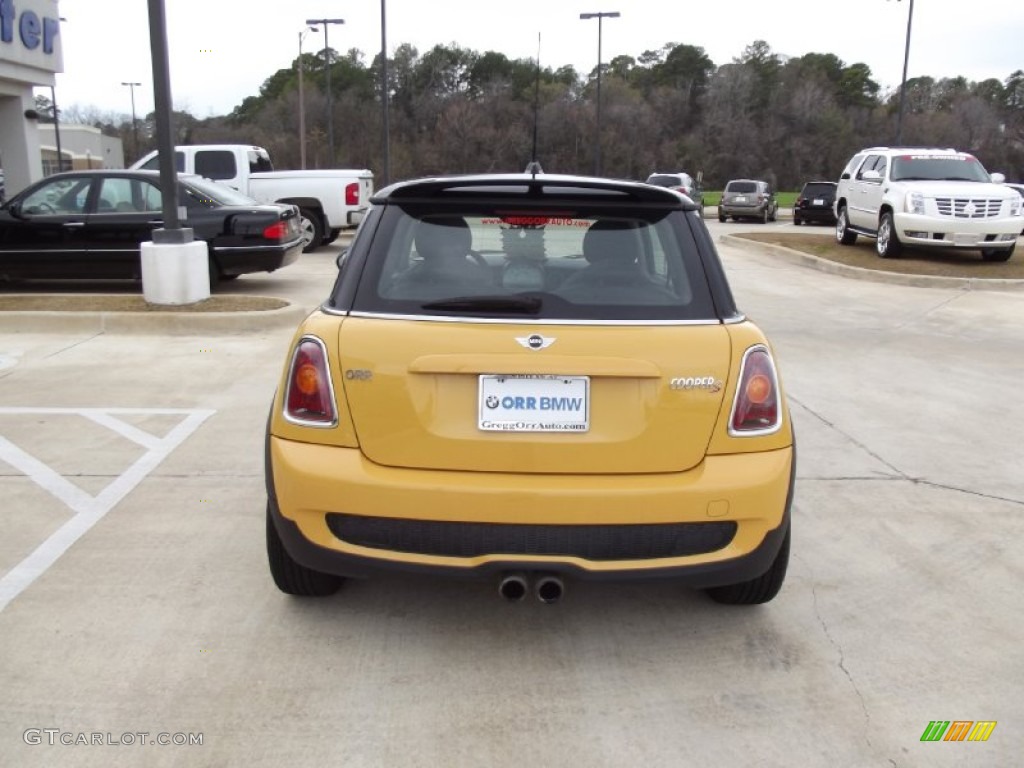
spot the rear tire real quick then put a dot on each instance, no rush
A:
(844, 235)
(997, 254)
(888, 243)
(721, 216)
(759, 590)
(764, 216)
(796, 220)
(311, 228)
(291, 577)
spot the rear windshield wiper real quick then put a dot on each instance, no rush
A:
(527, 305)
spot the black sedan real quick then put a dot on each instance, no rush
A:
(89, 224)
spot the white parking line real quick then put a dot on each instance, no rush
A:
(88, 509)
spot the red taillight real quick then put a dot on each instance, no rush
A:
(352, 193)
(276, 231)
(755, 409)
(309, 398)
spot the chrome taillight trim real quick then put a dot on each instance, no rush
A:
(330, 386)
(775, 388)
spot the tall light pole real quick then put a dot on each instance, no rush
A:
(903, 84)
(384, 93)
(327, 65)
(135, 125)
(302, 101)
(600, 18)
(56, 129)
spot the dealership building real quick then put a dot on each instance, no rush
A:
(30, 56)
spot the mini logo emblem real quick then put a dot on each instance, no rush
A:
(535, 341)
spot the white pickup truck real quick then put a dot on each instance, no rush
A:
(328, 201)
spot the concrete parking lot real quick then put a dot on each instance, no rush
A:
(135, 598)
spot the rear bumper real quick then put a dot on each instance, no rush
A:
(311, 488)
(241, 260)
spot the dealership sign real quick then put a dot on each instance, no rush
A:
(30, 34)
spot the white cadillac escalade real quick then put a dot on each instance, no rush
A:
(922, 197)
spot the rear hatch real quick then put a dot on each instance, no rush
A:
(605, 399)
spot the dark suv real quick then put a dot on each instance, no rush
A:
(815, 203)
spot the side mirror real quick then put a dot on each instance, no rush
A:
(998, 178)
(341, 258)
(14, 208)
(845, 176)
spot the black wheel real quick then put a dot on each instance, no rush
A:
(774, 215)
(291, 577)
(721, 217)
(844, 235)
(888, 243)
(997, 254)
(312, 230)
(759, 590)
(796, 220)
(764, 216)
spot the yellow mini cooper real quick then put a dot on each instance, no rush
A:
(532, 379)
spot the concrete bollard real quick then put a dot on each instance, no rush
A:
(175, 273)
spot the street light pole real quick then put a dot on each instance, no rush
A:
(302, 101)
(600, 18)
(384, 93)
(327, 65)
(903, 84)
(135, 125)
(56, 129)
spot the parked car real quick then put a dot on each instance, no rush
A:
(748, 199)
(926, 198)
(89, 224)
(816, 203)
(680, 182)
(328, 200)
(527, 378)
(2, 190)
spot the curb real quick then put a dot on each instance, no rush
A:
(171, 323)
(871, 275)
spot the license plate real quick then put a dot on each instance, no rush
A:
(741, 199)
(965, 239)
(534, 404)
(819, 202)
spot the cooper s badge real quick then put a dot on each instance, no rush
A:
(709, 383)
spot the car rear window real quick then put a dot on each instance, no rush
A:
(666, 180)
(819, 190)
(568, 264)
(741, 186)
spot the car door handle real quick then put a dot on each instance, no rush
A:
(156, 222)
(74, 224)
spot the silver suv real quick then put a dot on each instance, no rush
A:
(929, 198)
(748, 199)
(680, 182)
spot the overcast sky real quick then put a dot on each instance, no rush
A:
(222, 50)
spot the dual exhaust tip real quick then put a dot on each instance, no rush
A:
(548, 587)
